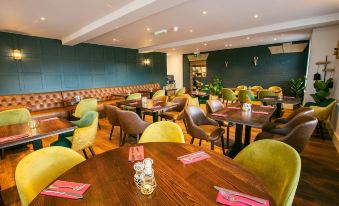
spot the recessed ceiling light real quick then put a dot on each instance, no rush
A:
(256, 16)
(204, 12)
(248, 38)
(148, 29)
(275, 39)
(226, 45)
(191, 30)
(230, 45)
(42, 18)
(114, 39)
(150, 40)
(197, 49)
(205, 44)
(175, 28)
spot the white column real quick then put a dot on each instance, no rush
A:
(175, 67)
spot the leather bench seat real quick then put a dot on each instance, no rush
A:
(52, 104)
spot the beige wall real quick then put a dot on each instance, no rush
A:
(175, 67)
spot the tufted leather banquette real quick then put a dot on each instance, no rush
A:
(52, 103)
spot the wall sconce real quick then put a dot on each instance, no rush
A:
(255, 60)
(16, 54)
(226, 64)
(147, 62)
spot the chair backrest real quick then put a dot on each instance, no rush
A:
(257, 87)
(84, 106)
(241, 87)
(85, 136)
(163, 131)
(228, 94)
(242, 95)
(134, 96)
(182, 103)
(112, 115)
(213, 106)
(275, 89)
(276, 164)
(323, 113)
(194, 116)
(160, 98)
(266, 93)
(180, 91)
(38, 169)
(158, 93)
(131, 123)
(299, 112)
(191, 101)
(14, 116)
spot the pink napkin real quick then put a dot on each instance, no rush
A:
(48, 119)
(134, 103)
(259, 112)
(266, 106)
(224, 201)
(138, 154)
(233, 107)
(156, 107)
(194, 157)
(13, 138)
(68, 190)
(269, 98)
(287, 97)
(219, 115)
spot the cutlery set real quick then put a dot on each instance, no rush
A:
(232, 196)
(50, 190)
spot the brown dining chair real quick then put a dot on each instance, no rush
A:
(155, 99)
(213, 106)
(295, 114)
(176, 113)
(295, 133)
(202, 127)
(131, 124)
(112, 117)
(2, 203)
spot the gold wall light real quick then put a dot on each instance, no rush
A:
(16, 54)
(147, 62)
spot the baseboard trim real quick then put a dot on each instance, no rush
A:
(334, 136)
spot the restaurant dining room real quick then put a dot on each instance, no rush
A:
(169, 102)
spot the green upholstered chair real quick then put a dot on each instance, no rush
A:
(277, 164)
(158, 93)
(83, 137)
(14, 116)
(180, 91)
(192, 101)
(241, 87)
(257, 87)
(276, 89)
(242, 95)
(266, 93)
(134, 96)
(84, 106)
(228, 95)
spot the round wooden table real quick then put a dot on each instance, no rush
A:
(111, 178)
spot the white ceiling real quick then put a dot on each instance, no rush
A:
(226, 22)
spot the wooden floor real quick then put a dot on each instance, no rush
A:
(318, 185)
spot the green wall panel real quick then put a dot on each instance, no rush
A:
(47, 65)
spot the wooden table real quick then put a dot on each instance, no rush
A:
(151, 105)
(123, 95)
(278, 102)
(46, 128)
(240, 118)
(150, 93)
(177, 184)
(199, 94)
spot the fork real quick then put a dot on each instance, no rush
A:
(77, 188)
(234, 199)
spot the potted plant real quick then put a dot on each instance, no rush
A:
(215, 87)
(298, 87)
(322, 89)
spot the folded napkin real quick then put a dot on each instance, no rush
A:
(13, 138)
(219, 115)
(194, 157)
(48, 119)
(269, 98)
(259, 112)
(223, 200)
(60, 189)
(287, 97)
(266, 106)
(233, 107)
(156, 107)
(138, 153)
(133, 103)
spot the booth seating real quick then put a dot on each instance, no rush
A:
(56, 104)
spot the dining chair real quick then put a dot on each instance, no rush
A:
(276, 89)
(84, 136)
(2, 203)
(202, 127)
(176, 113)
(228, 95)
(154, 99)
(163, 131)
(13, 116)
(266, 93)
(159, 93)
(131, 124)
(283, 120)
(295, 133)
(180, 91)
(112, 117)
(191, 101)
(213, 106)
(84, 106)
(277, 164)
(246, 96)
(240, 87)
(257, 87)
(38, 169)
(134, 96)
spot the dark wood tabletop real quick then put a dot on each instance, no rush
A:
(151, 105)
(286, 100)
(238, 116)
(111, 179)
(199, 94)
(120, 95)
(46, 128)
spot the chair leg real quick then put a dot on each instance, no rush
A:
(110, 136)
(91, 150)
(228, 138)
(192, 140)
(85, 154)
(2, 155)
(200, 142)
(185, 124)
(143, 116)
(124, 139)
(99, 125)
(212, 145)
(222, 144)
(321, 130)
(138, 137)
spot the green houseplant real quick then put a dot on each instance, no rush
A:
(322, 89)
(298, 87)
(215, 87)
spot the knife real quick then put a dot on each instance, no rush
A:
(70, 194)
(259, 200)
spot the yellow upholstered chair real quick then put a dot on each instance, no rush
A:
(277, 164)
(14, 116)
(257, 88)
(277, 90)
(38, 169)
(163, 131)
(323, 114)
(84, 106)
(192, 101)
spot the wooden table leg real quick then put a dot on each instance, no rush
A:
(138, 111)
(37, 144)
(2, 155)
(247, 135)
(155, 117)
(278, 111)
(238, 141)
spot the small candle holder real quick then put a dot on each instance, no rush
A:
(139, 175)
(149, 183)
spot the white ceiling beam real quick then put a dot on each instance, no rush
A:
(131, 12)
(279, 27)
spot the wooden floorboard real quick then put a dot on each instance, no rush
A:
(318, 185)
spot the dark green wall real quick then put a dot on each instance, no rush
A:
(272, 69)
(47, 65)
